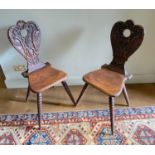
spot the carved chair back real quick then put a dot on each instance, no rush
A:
(25, 38)
(125, 39)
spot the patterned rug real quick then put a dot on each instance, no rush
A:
(132, 126)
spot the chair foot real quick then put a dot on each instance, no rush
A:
(28, 93)
(39, 106)
(68, 91)
(125, 93)
(82, 92)
(111, 108)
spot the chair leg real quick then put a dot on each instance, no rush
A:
(111, 108)
(39, 106)
(28, 93)
(82, 91)
(68, 91)
(125, 93)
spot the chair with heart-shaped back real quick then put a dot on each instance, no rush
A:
(110, 79)
(25, 38)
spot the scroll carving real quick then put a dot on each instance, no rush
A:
(26, 44)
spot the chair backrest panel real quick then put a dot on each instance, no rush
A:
(124, 45)
(25, 38)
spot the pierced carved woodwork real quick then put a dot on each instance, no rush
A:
(110, 79)
(124, 46)
(25, 38)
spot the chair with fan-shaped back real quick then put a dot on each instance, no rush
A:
(110, 79)
(25, 38)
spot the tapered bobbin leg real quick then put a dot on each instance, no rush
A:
(28, 93)
(68, 92)
(39, 106)
(111, 108)
(125, 93)
(82, 92)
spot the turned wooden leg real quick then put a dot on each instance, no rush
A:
(39, 106)
(28, 93)
(82, 91)
(111, 108)
(125, 93)
(68, 92)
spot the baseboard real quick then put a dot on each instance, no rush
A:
(142, 78)
(16, 83)
(75, 81)
(137, 78)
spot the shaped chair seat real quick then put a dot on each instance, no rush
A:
(126, 38)
(105, 80)
(44, 78)
(25, 38)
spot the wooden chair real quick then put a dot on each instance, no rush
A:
(25, 38)
(110, 79)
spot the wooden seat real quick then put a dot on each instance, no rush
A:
(110, 79)
(45, 78)
(25, 38)
(105, 80)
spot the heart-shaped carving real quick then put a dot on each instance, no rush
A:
(124, 46)
(25, 38)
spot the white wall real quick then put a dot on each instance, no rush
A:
(78, 41)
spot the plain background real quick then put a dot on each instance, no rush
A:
(59, 4)
(78, 41)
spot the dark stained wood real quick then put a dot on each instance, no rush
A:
(123, 47)
(111, 108)
(39, 107)
(82, 92)
(2, 78)
(25, 38)
(126, 96)
(28, 93)
(110, 79)
(68, 91)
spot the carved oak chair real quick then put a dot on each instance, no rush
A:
(25, 38)
(110, 79)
